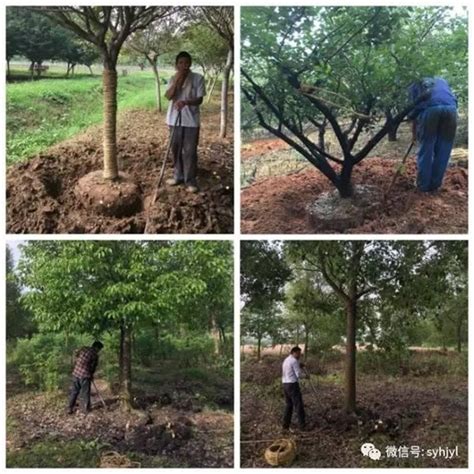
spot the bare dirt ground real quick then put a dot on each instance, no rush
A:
(167, 429)
(425, 411)
(275, 202)
(40, 192)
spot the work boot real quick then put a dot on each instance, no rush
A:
(192, 189)
(173, 182)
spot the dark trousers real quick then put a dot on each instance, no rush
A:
(184, 147)
(436, 130)
(83, 387)
(293, 399)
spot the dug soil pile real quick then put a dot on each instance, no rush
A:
(40, 192)
(278, 205)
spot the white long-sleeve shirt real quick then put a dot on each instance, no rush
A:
(291, 370)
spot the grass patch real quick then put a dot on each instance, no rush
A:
(42, 113)
(53, 453)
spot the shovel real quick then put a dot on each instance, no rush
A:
(313, 388)
(98, 394)
(163, 166)
(397, 173)
(162, 172)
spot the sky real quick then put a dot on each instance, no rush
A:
(15, 249)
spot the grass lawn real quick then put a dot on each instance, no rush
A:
(44, 112)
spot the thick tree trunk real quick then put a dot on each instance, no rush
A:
(225, 93)
(90, 70)
(259, 345)
(392, 134)
(126, 368)
(157, 85)
(351, 315)
(109, 79)
(345, 182)
(32, 70)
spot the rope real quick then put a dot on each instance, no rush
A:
(115, 460)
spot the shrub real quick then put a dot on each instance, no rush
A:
(45, 361)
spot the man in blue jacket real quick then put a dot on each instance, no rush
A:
(434, 126)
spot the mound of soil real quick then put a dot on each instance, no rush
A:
(278, 205)
(41, 197)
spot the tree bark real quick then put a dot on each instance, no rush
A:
(211, 88)
(392, 133)
(126, 369)
(345, 183)
(259, 344)
(109, 79)
(351, 314)
(215, 335)
(306, 342)
(90, 70)
(392, 127)
(8, 69)
(225, 93)
(157, 85)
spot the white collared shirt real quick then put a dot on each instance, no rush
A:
(291, 371)
(193, 88)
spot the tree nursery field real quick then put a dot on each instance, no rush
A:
(85, 147)
(325, 105)
(162, 394)
(382, 326)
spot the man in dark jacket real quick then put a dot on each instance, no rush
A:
(85, 365)
(434, 126)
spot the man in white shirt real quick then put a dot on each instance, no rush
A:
(185, 92)
(291, 374)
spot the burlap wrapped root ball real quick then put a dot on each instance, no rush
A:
(281, 452)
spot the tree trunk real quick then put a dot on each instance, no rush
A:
(32, 69)
(211, 89)
(109, 79)
(351, 314)
(306, 342)
(90, 70)
(345, 182)
(297, 336)
(225, 93)
(157, 85)
(459, 334)
(392, 128)
(126, 369)
(68, 68)
(215, 335)
(259, 344)
(8, 69)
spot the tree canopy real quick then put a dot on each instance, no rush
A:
(306, 69)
